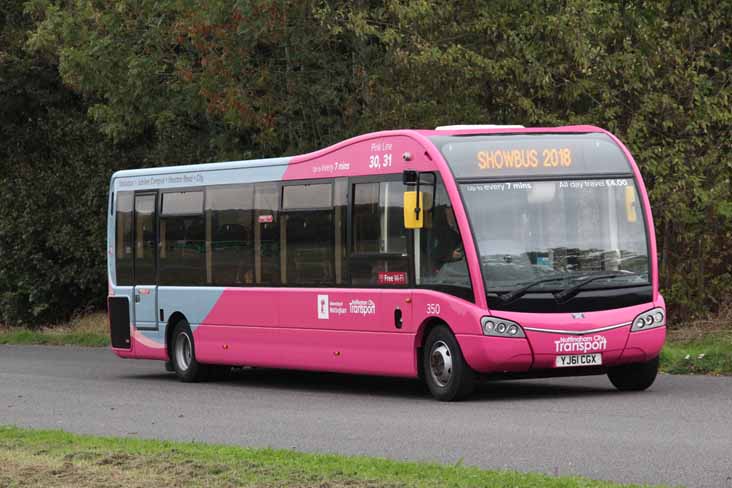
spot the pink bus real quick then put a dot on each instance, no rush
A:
(450, 255)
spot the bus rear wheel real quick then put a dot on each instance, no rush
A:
(183, 355)
(446, 373)
(634, 377)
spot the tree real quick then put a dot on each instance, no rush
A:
(88, 87)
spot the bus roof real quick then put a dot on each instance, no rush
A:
(280, 161)
(158, 170)
(508, 130)
(272, 169)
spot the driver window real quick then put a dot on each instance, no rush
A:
(443, 266)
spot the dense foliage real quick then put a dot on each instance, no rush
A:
(88, 87)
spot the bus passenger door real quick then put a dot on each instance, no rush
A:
(145, 279)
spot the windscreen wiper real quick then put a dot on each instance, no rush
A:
(519, 292)
(566, 294)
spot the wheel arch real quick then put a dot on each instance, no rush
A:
(174, 318)
(422, 332)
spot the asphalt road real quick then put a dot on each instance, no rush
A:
(679, 432)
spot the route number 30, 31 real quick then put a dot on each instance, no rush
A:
(433, 308)
(376, 163)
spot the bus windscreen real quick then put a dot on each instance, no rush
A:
(532, 155)
(564, 230)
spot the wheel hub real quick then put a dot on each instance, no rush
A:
(441, 363)
(183, 351)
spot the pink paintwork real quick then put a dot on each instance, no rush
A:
(143, 348)
(282, 327)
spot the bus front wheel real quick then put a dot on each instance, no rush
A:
(184, 355)
(446, 373)
(634, 377)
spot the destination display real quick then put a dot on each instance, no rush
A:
(517, 155)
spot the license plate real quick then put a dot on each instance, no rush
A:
(578, 360)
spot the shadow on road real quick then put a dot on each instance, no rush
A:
(313, 382)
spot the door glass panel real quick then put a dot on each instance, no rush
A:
(145, 239)
(123, 236)
(380, 241)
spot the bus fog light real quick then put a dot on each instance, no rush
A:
(649, 320)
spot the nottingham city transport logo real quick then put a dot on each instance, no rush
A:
(581, 344)
(328, 307)
(362, 307)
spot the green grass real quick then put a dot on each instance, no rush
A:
(703, 352)
(25, 336)
(89, 330)
(47, 458)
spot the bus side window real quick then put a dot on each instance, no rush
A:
(379, 254)
(182, 238)
(230, 235)
(308, 244)
(123, 238)
(443, 266)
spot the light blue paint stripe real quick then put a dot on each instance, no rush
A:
(195, 302)
(201, 175)
(154, 335)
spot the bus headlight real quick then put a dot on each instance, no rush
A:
(650, 319)
(497, 327)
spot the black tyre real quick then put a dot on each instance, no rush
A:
(634, 377)
(183, 355)
(446, 373)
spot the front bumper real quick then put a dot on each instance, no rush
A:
(537, 352)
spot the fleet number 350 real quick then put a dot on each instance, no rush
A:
(433, 308)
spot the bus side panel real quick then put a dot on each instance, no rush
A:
(380, 353)
(193, 302)
(347, 330)
(150, 344)
(354, 309)
(461, 316)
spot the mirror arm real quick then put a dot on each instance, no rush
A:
(417, 210)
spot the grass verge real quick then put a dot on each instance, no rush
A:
(88, 330)
(698, 350)
(45, 458)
